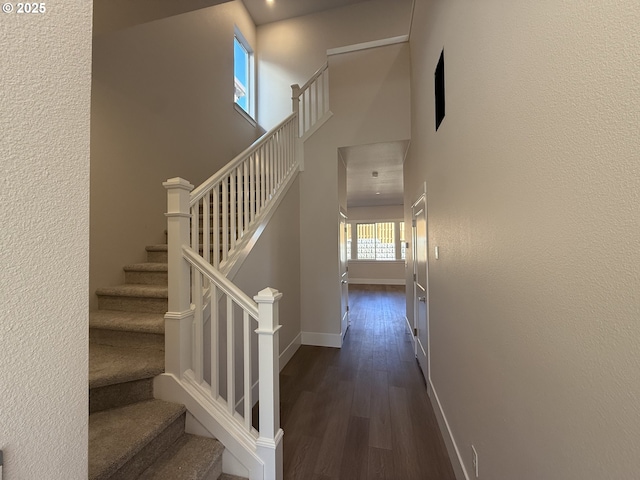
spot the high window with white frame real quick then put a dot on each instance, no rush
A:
(376, 241)
(243, 74)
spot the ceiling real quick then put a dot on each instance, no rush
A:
(262, 12)
(365, 189)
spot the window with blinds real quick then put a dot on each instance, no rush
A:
(383, 240)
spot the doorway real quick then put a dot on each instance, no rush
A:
(421, 282)
(344, 276)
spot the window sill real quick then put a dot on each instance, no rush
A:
(245, 115)
(376, 261)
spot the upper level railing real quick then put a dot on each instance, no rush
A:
(311, 101)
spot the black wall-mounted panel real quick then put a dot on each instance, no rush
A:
(439, 82)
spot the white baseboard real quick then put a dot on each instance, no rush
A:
(452, 448)
(410, 330)
(322, 339)
(291, 349)
(377, 281)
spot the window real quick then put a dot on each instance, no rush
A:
(375, 241)
(243, 73)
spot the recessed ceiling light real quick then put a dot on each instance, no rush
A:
(270, 2)
(377, 193)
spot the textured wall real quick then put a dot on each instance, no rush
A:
(533, 189)
(44, 99)
(162, 106)
(291, 51)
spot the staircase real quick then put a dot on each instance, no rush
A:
(132, 435)
(185, 287)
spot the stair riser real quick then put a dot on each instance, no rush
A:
(151, 452)
(146, 278)
(120, 394)
(157, 257)
(133, 304)
(120, 338)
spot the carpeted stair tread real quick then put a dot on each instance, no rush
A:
(117, 435)
(189, 458)
(146, 267)
(138, 322)
(134, 290)
(109, 365)
(226, 476)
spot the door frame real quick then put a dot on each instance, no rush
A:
(421, 198)
(345, 319)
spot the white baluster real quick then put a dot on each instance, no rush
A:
(233, 204)
(215, 328)
(206, 227)
(216, 226)
(225, 218)
(231, 358)
(247, 195)
(248, 403)
(199, 327)
(326, 90)
(316, 86)
(254, 186)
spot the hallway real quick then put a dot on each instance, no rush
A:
(362, 411)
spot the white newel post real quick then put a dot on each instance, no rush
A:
(270, 440)
(179, 318)
(295, 98)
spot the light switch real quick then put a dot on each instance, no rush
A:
(437, 252)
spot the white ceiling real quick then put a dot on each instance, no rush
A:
(387, 159)
(262, 12)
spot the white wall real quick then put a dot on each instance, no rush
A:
(162, 106)
(44, 99)
(533, 185)
(274, 262)
(370, 271)
(290, 51)
(370, 102)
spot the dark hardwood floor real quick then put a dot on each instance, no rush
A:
(362, 412)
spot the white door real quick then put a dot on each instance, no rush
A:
(420, 283)
(344, 275)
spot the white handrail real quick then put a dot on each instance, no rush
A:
(311, 101)
(313, 78)
(232, 200)
(201, 190)
(223, 283)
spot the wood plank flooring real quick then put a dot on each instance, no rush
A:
(362, 412)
